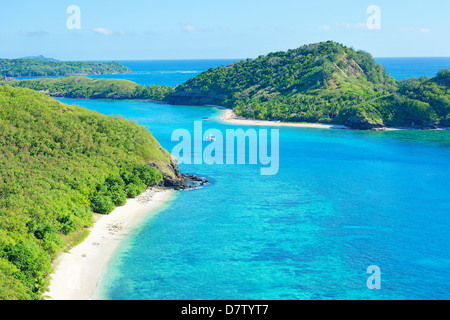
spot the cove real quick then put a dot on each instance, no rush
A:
(341, 202)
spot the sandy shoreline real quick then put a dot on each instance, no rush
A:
(78, 272)
(229, 116)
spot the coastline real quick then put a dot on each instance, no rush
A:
(78, 272)
(229, 116)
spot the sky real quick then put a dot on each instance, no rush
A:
(228, 29)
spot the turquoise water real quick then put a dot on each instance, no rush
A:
(341, 201)
(401, 68)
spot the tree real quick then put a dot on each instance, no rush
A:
(102, 204)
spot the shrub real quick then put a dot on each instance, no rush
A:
(102, 204)
(118, 195)
(133, 190)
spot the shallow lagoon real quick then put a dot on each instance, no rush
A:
(341, 201)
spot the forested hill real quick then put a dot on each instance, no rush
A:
(324, 82)
(38, 68)
(88, 88)
(309, 69)
(59, 164)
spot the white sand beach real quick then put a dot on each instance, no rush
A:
(230, 117)
(78, 272)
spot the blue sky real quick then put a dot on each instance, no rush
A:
(198, 29)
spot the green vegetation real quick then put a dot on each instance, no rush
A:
(325, 82)
(42, 67)
(417, 102)
(59, 164)
(87, 88)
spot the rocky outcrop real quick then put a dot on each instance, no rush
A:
(358, 122)
(186, 182)
(173, 179)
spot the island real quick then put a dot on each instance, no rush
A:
(87, 88)
(321, 83)
(39, 67)
(326, 83)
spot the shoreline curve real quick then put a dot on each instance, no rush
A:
(79, 271)
(229, 116)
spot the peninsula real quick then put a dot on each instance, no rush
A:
(326, 83)
(40, 67)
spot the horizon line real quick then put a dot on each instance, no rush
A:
(199, 59)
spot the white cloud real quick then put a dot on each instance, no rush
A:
(324, 27)
(109, 32)
(38, 33)
(103, 31)
(191, 28)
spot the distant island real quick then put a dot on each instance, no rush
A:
(87, 88)
(325, 83)
(39, 58)
(44, 67)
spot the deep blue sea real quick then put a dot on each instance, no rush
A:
(340, 202)
(401, 68)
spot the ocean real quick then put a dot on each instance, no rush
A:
(402, 68)
(175, 72)
(341, 201)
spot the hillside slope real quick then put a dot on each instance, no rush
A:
(59, 164)
(311, 83)
(87, 88)
(324, 82)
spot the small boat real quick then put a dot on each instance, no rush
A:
(205, 118)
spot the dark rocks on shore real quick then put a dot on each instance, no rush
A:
(184, 182)
(180, 181)
(361, 123)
